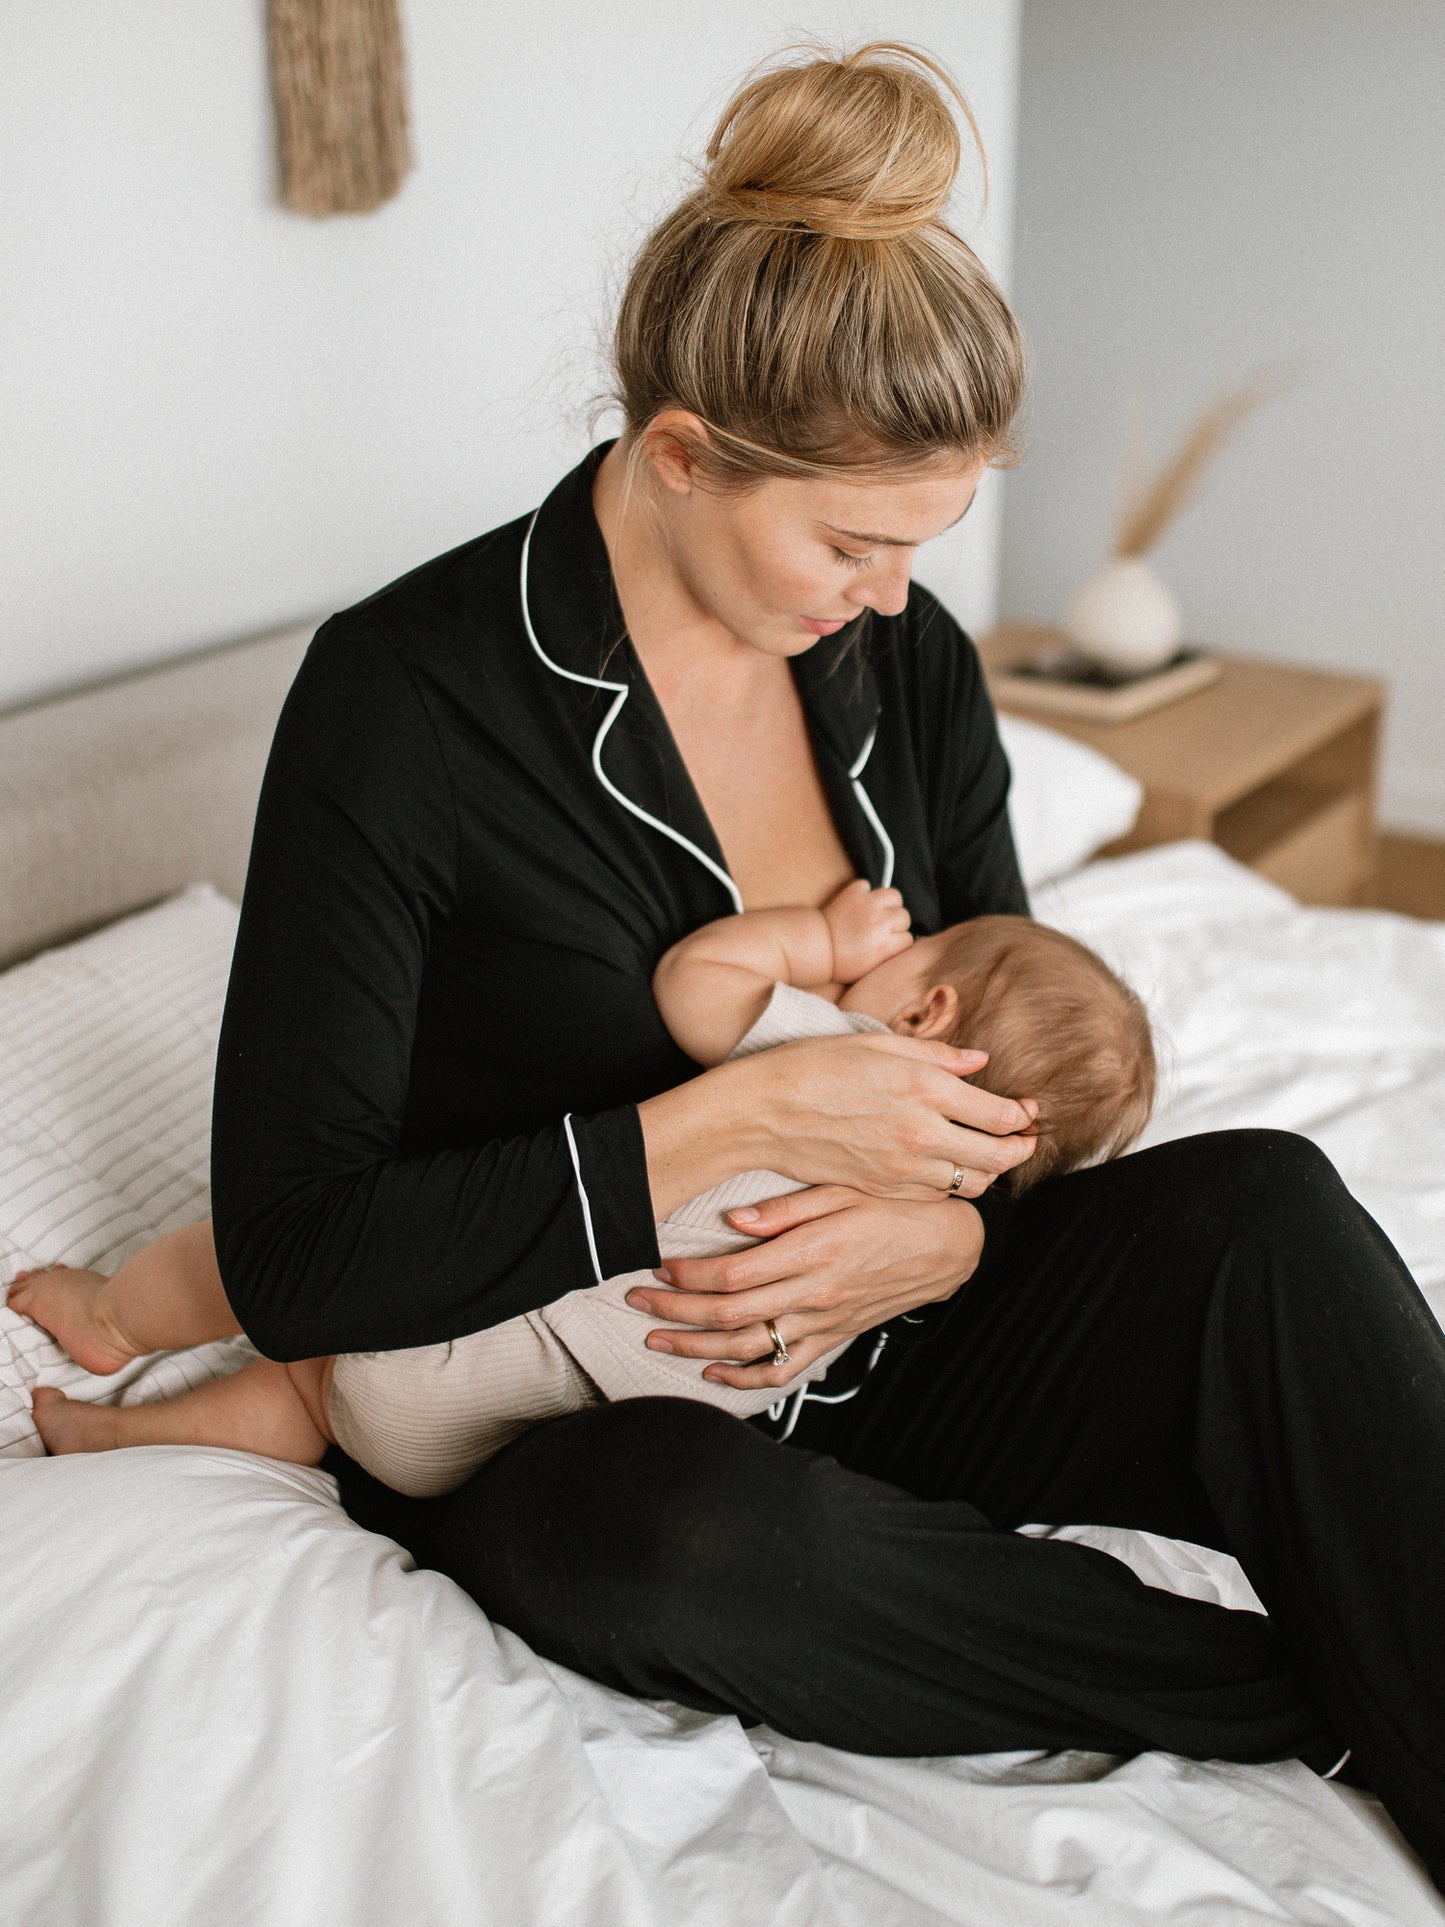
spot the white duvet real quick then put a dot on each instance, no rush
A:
(224, 1703)
(1329, 1022)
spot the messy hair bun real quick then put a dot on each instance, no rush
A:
(808, 301)
(863, 149)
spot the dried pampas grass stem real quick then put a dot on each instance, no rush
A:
(340, 81)
(1149, 507)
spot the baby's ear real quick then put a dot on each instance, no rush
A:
(934, 1013)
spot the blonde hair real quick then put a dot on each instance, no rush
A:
(808, 301)
(1059, 1027)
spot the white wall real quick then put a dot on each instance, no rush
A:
(216, 416)
(1203, 188)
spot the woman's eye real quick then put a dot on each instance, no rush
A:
(852, 561)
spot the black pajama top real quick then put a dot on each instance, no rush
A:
(475, 840)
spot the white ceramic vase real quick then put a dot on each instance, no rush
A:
(1125, 618)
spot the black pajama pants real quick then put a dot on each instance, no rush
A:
(1210, 1340)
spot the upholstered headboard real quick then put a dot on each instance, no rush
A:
(115, 796)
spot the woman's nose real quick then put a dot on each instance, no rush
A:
(886, 589)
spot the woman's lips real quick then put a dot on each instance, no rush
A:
(824, 628)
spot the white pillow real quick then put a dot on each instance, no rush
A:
(107, 1050)
(1066, 801)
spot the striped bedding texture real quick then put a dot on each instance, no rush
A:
(107, 1047)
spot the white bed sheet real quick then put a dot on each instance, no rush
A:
(223, 1702)
(236, 1707)
(1327, 1022)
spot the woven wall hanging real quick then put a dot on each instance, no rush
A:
(340, 79)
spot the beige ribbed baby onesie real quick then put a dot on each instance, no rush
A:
(423, 1420)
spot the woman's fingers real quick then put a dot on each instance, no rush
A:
(927, 1050)
(981, 1110)
(976, 1130)
(875, 1259)
(747, 1358)
(889, 1115)
(979, 1154)
(750, 1343)
(728, 1311)
(766, 1373)
(734, 1271)
(933, 1160)
(964, 1102)
(773, 1215)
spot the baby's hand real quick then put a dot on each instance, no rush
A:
(867, 927)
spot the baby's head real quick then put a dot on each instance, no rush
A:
(1057, 1024)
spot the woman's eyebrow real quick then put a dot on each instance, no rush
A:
(898, 541)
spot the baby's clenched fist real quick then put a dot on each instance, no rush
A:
(867, 927)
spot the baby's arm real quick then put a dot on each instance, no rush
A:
(714, 985)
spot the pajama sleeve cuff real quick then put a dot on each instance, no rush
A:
(613, 1192)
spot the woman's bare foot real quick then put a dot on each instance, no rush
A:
(70, 1425)
(67, 1304)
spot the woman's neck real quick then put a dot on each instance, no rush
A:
(734, 712)
(679, 643)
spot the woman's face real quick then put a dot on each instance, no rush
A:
(787, 562)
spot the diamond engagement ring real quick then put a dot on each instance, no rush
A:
(957, 1181)
(780, 1350)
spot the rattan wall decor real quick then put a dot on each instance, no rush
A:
(339, 74)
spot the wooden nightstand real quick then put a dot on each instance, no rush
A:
(1275, 764)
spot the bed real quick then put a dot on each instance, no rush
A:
(224, 1702)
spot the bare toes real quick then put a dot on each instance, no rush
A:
(35, 1271)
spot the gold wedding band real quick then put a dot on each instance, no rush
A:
(957, 1181)
(780, 1350)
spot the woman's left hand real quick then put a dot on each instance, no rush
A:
(833, 1263)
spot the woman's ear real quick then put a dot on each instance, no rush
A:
(671, 441)
(933, 1014)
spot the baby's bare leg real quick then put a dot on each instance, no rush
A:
(166, 1297)
(276, 1410)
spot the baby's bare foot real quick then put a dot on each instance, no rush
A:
(65, 1303)
(70, 1425)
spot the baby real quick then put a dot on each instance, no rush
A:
(1056, 1024)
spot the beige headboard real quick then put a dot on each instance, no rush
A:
(118, 795)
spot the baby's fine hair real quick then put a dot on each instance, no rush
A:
(1059, 1027)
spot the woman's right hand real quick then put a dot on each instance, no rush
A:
(887, 1115)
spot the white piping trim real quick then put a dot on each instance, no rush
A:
(584, 1200)
(866, 804)
(621, 691)
(805, 1395)
(780, 1405)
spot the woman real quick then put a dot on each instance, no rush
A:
(698, 679)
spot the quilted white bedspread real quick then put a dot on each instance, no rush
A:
(224, 1703)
